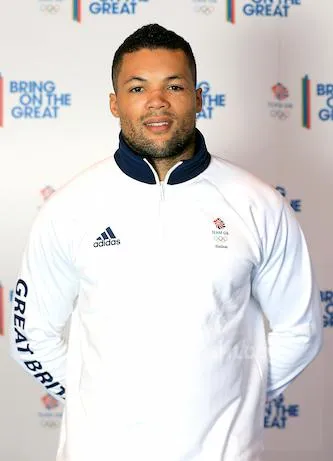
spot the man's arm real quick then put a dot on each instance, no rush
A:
(285, 287)
(43, 302)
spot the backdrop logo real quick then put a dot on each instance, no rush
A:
(46, 193)
(277, 413)
(37, 99)
(306, 102)
(49, 6)
(49, 418)
(117, 7)
(2, 310)
(1, 99)
(262, 8)
(204, 6)
(210, 101)
(231, 11)
(326, 298)
(280, 108)
(279, 8)
(326, 90)
(296, 204)
(77, 10)
(50, 402)
(280, 92)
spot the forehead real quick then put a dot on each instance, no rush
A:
(154, 63)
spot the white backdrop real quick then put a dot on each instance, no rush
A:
(252, 56)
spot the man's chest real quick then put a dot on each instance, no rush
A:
(194, 239)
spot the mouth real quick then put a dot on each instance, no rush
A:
(158, 124)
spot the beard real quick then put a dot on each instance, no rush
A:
(181, 139)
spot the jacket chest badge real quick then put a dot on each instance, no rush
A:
(220, 233)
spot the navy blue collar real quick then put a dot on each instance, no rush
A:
(133, 165)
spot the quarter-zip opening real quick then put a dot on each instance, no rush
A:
(162, 206)
(162, 184)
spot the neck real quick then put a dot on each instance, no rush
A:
(195, 155)
(163, 165)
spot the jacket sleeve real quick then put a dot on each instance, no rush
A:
(285, 287)
(43, 302)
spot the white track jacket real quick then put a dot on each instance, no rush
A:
(166, 286)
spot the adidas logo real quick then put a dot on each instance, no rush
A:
(107, 238)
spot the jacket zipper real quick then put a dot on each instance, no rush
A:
(162, 190)
(165, 181)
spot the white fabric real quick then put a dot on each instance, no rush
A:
(167, 357)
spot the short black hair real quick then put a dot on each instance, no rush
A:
(151, 37)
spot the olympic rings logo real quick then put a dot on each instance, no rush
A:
(50, 9)
(220, 238)
(205, 9)
(280, 114)
(50, 423)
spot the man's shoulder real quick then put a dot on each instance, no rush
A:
(229, 172)
(87, 182)
(83, 189)
(240, 184)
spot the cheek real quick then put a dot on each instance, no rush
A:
(186, 106)
(189, 115)
(130, 111)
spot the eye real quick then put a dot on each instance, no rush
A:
(136, 89)
(176, 88)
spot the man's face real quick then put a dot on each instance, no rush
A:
(156, 102)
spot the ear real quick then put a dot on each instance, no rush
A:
(114, 105)
(198, 100)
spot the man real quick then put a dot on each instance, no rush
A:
(172, 259)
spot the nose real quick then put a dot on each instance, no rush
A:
(157, 100)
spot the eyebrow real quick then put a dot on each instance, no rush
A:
(134, 77)
(141, 79)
